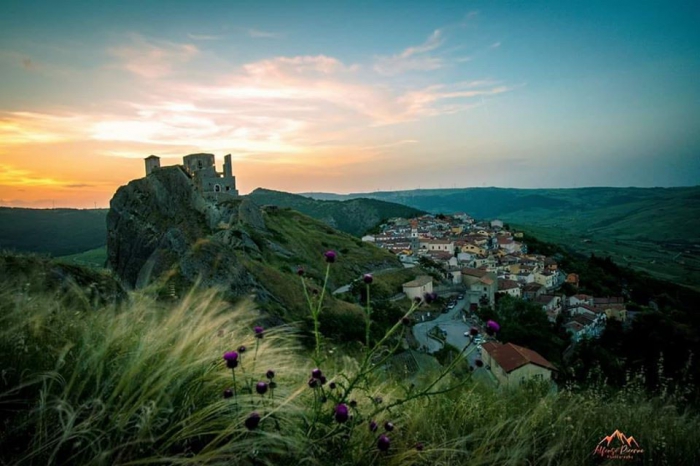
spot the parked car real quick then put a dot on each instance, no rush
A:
(460, 296)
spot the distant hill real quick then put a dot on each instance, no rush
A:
(652, 229)
(354, 216)
(57, 232)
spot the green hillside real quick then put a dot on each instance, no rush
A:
(652, 229)
(57, 232)
(354, 216)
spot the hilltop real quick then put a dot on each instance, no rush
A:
(162, 231)
(355, 216)
(656, 230)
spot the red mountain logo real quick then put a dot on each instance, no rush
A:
(618, 446)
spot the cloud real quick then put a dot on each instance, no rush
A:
(299, 65)
(39, 128)
(205, 36)
(258, 34)
(152, 58)
(414, 58)
(12, 176)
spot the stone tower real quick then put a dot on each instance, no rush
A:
(152, 163)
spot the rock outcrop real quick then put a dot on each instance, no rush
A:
(161, 225)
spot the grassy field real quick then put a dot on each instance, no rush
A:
(145, 383)
(93, 258)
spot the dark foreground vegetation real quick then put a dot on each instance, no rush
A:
(137, 381)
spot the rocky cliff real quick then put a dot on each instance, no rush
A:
(161, 228)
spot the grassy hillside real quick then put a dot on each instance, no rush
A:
(354, 216)
(652, 229)
(145, 383)
(57, 232)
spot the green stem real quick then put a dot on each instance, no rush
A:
(315, 314)
(369, 320)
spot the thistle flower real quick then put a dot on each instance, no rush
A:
(383, 443)
(228, 393)
(313, 383)
(406, 321)
(341, 413)
(261, 388)
(231, 359)
(332, 385)
(373, 426)
(479, 363)
(316, 373)
(428, 298)
(353, 404)
(272, 384)
(419, 446)
(323, 380)
(300, 271)
(388, 426)
(270, 374)
(473, 331)
(368, 278)
(259, 331)
(330, 256)
(252, 421)
(241, 349)
(378, 399)
(492, 327)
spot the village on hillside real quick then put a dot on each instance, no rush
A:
(480, 261)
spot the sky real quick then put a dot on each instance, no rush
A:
(344, 97)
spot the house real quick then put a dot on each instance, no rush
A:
(509, 287)
(533, 290)
(419, 287)
(577, 299)
(512, 364)
(546, 279)
(481, 282)
(614, 311)
(496, 223)
(548, 302)
(441, 245)
(573, 279)
(368, 238)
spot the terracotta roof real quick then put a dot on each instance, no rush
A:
(507, 284)
(511, 357)
(609, 300)
(574, 325)
(545, 299)
(474, 272)
(420, 281)
(583, 319)
(531, 286)
(486, 280)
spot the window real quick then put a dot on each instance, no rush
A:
(217, 188)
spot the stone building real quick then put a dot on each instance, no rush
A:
(201, 168)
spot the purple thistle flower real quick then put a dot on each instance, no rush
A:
(313, 383)
(300, 271)
(473, 331)
(383, 443)
(419, 446)
(428, 298)
(341, 413)
(332, 385)
(479, 363)
(368, 278)
(406, 321)
(241, 349)
(388, 426)
(417, 299)
(228, 393)
(492, 327)
(252, 421)
(231, 359)
(330, 256)
(373, 426)
(261, 388)
(270, 374)
(316, 373)
(323, 380)
(259, 331)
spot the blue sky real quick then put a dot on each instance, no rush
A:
(351, 96)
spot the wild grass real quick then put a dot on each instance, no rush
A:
(142, 383)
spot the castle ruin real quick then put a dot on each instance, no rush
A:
(201, 168)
